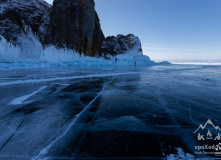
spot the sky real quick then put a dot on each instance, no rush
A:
(168, 29)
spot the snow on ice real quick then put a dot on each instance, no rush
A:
(33, 53)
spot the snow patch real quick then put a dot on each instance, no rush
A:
(29, 52)
(128, 59)
(52, 54)
(8, 52)
(180, 155)
(21, 99)
(32, 54)
(185, 156)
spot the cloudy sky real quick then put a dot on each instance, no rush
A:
(171, 29)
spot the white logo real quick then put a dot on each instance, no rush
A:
(209, 136)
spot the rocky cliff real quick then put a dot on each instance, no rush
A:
(75, 25)
(67, 24)
(121, 44)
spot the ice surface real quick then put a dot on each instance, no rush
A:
(106, 112)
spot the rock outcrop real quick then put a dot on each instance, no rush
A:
(68, 24)
(18, 17)
(75, 25)
(121, 44)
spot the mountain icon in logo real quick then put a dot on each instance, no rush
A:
(209, 124)
(211, 130)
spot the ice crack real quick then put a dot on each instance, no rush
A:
(45, 150)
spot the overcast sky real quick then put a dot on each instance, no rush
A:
(168, 29)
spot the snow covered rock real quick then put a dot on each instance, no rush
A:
(20, 17)
(121, 44)
(22, 28)
(127, 49)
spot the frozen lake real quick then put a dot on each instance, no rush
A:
(112, 112)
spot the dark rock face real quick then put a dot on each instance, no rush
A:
(121, 44)
(19, 17)
(75, 25)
